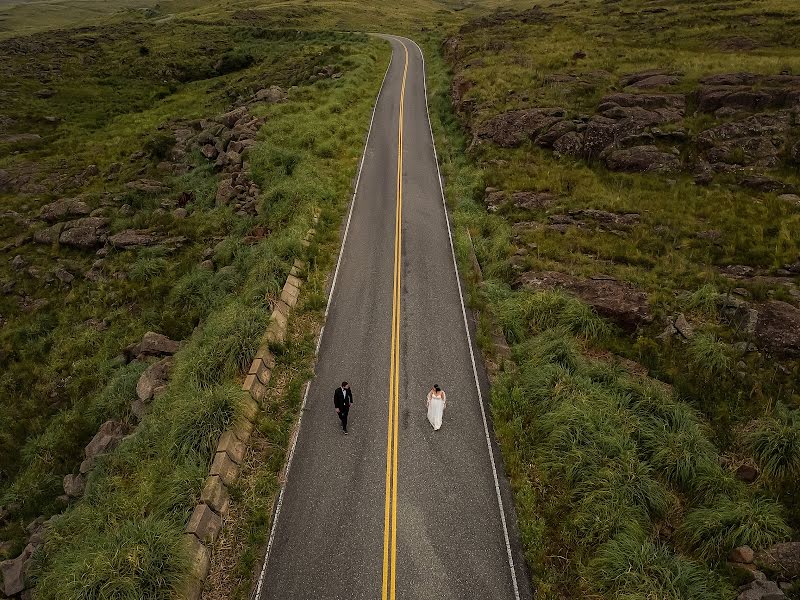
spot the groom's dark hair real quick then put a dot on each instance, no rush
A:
(344, 383)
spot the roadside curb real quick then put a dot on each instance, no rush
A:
(205, 523)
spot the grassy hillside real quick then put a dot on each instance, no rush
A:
(118, 101)
(645, 446)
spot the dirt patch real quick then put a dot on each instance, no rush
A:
(738, 44)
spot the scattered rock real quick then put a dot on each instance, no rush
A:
(225, 192)
(64, 276)
(148, 186)
(765, 184)
(16, 139)
(154, 379)
(230, 119)
(742, 554)
(18, 263)
(271, 95)
(134, 238)
(760, 590)
(85, 233)
(74, 485)
(152, 344)
(106, 439)
(747, 473)
(650, 79)
(13, 571)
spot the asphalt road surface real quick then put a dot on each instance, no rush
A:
(395, 509)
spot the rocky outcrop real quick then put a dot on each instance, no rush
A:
(66, 208)
(525, 200)
(621, 302)
(757, 141)
(777, 329)
(623, 133)
(511, 129)
(748, 92)
(642, 159)
(782, 559)
(650, 79)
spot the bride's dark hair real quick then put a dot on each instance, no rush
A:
(436, 387)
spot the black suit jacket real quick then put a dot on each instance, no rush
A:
(342, 399)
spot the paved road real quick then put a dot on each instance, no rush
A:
(331, 534)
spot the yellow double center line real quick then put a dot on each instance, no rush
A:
(390, 517)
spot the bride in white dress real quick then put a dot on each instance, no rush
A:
(437, 400)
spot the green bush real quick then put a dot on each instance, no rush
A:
(233, 61)
(158, 145)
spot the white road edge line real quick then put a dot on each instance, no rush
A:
(469, 338)
(257, 594)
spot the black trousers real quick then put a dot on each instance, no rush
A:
(343, 417)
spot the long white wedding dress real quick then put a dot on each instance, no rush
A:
(436, 410)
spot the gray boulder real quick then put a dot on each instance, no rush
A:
(271, 94)
(13, 571)
(154, 379)
(86, 233)
(74, 485)
(106, 439)
(64, 209)
(152, 344)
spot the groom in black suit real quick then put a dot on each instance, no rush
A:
(342, 399)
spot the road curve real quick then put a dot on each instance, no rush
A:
(332, 530)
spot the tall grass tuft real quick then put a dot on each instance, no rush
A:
(712, 532)
(206, 415)
(776, 448)
(709, 355)
(630, 566)
(138, 558)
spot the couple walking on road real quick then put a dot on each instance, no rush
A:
(436, 403)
